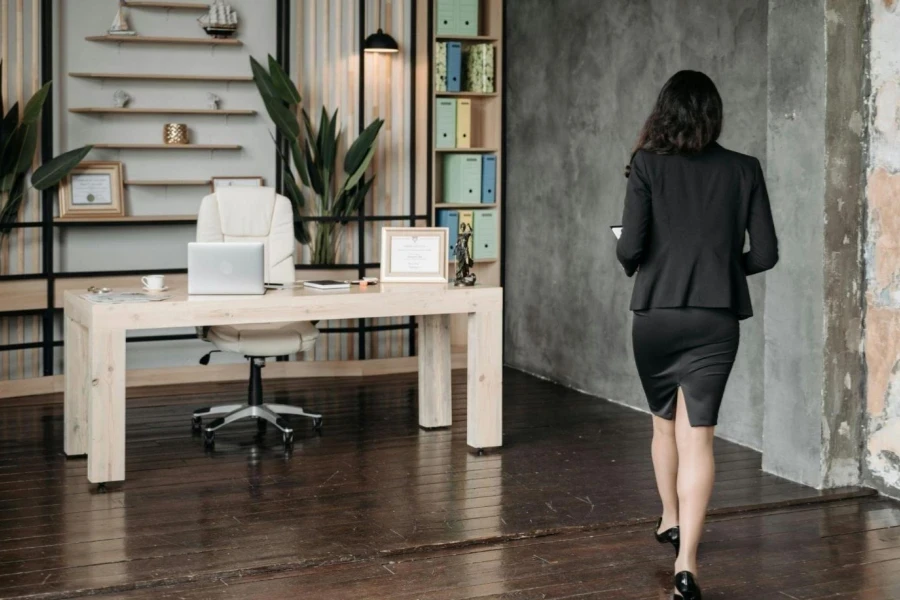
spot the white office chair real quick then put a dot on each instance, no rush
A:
(254, 215)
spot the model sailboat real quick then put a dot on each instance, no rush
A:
(120, 24)
(220, 21)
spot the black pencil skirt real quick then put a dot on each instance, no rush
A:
(691, 348)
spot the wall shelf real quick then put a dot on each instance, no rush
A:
(96, 110)
(466, 94)
(167, 182)
(139, 220)
(164, 77)
(465, 38)
(167, 146)
(465, 150)
(455, 205)
(166, 5)
(148, 39)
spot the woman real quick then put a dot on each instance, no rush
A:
(688, 205)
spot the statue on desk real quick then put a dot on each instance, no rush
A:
(464, 262)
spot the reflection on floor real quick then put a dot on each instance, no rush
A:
(376, 508)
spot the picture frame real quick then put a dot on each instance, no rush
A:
(414, 254)
(94, 189)
(239, 181)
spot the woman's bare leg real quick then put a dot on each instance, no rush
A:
(665, 466)
(696, 473)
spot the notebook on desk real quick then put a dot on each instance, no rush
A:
(327, 284)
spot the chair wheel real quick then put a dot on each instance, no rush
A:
(288, 438)
(196, 424)
(261, 426)
(209, 439)
(317, 424)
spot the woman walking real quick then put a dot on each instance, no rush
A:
(688, 205)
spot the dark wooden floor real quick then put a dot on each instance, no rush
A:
(376, 508)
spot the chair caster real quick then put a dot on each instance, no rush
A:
(480, 451)
(287, 438)
(209, 439)
(261, 426)
(196, 424)
(101, 488)
(317, 424)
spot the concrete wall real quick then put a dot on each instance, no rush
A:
(581, 78)
(882, 342)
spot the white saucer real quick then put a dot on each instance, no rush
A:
(154, 291)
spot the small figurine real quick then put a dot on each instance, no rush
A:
(120, 24)
(121, 98)
(212, 101)
(464, 262)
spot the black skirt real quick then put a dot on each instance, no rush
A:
(691, 348)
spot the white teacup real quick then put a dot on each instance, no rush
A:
(154, 282)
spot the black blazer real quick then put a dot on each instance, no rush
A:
(683, 229)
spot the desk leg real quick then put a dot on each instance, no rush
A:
(75, 402)
(484, 410)
(435, 407)
(106, 409)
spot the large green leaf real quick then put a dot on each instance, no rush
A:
(360, 148)
(299, 162)
(8, 126)
(285, 120)
(298, 202)
(283, 85)
(10, 211)
(35, 105)
(52, 171)
(310, 132)
(353, 199)
(19, 151)
(316, 180)
(263, 81)
(354, 177)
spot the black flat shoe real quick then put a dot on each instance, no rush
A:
(669, 536)
(686, 586)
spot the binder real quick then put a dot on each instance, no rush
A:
(440, 67)
(488, 179)
(463, 123)
(445, 123)
(450, 220)
(468, 216)
(447, 17)
(462, 178)
(485, 234)
(454, 67)
(467, 17)
(480, 68)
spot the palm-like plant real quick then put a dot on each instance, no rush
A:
(310, 162)
(18, 142)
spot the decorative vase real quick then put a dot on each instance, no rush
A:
(175, 133)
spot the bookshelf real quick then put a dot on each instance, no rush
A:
(486, 128)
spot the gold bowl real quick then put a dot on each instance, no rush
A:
(175, 133)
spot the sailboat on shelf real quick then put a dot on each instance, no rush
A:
(120, 24)
(221, 21)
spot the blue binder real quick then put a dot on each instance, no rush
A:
(454, 67)
(450, 220)
(488, 179)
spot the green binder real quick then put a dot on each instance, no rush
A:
(486, 232)
(457, 17)
(445, 123)
(462, 178)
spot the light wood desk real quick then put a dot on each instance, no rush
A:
(95, 353)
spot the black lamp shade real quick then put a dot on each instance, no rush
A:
(381, 42)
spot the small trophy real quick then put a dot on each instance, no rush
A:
(464, 262)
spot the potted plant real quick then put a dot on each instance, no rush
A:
(18, 143)
(309, 163)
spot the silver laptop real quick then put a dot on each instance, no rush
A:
(226, 268)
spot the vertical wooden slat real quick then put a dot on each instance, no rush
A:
(4, 244)
(20, 234)
(35, 235)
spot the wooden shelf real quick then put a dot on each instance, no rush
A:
(148, 39)
(465, 38)
(91, 110)
(466, 150)
(137, 220)
(167, 146)
(163, 77)
(167, 182)
(456, 205)
(478, 260)
(466, 94)
(166, 5)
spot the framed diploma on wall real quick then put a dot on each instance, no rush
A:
(92, 190)
(414, 254)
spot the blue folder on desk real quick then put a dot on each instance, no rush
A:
(454, 67)
(450, 220)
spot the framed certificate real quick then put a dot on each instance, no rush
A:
(92, 190)
(414, 254)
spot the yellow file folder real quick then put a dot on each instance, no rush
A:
(463, 123)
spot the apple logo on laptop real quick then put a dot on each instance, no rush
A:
(226, 268)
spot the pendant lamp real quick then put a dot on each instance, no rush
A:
(381, 41)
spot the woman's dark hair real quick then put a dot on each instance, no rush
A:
(687, 117)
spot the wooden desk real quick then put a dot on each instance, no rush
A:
(95, 353)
